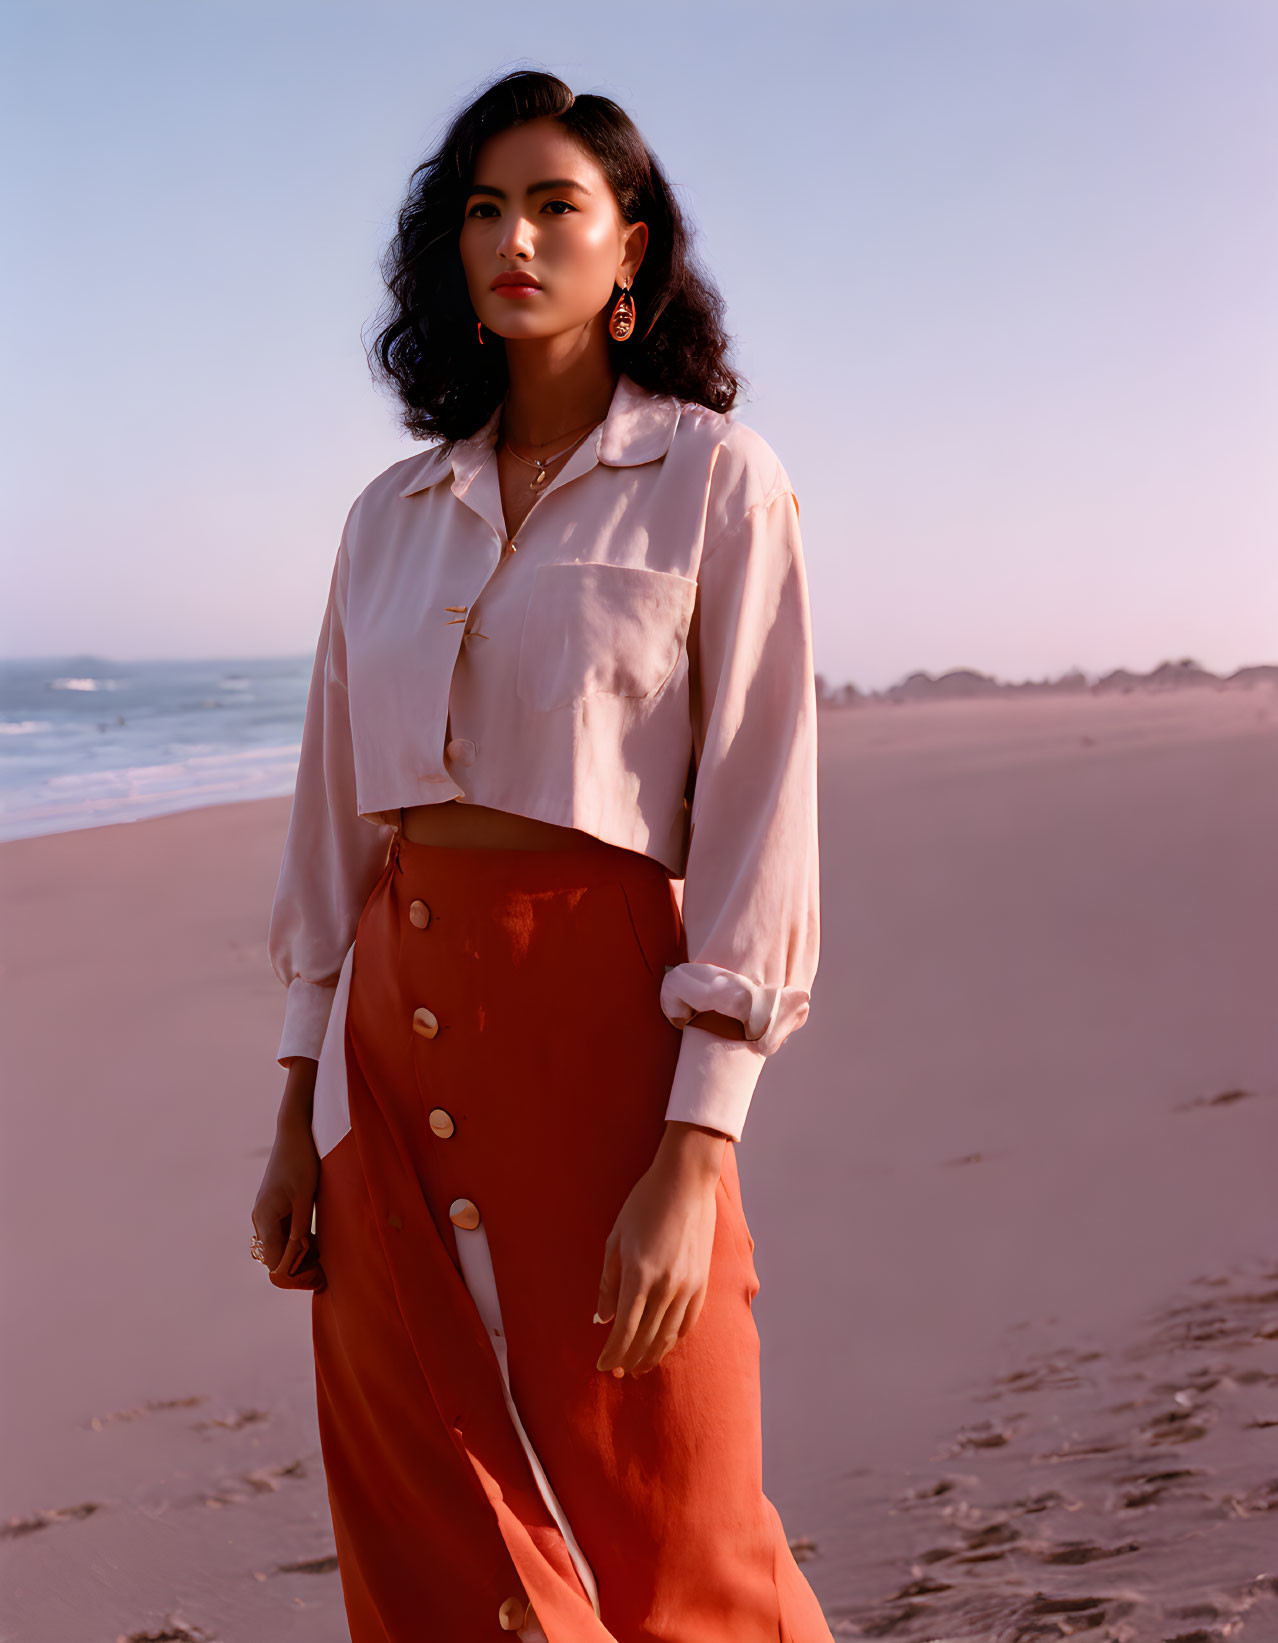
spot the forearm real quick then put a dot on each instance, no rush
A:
(299, 1093)
(691, 1152)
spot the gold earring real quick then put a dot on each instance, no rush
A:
(622, 322)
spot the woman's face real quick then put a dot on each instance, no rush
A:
(569, 237)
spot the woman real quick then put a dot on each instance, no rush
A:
(565, 673)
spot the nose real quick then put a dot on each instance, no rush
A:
(516, 238)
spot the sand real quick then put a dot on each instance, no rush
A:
(1012, 1191)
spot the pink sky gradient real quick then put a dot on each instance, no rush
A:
(1001, 278)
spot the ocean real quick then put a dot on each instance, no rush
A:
(85, 741)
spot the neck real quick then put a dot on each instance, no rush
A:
(554, 393)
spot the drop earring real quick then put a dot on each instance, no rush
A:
(622, 321)
(479, 325)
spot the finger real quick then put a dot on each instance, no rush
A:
(304, 1279)
(694, 1310)
(308, 1260)
(299, 1237)
(610, 1283)
(651, 1326)
(312, 1278)
(668, 1335)
(630, 1309)
(273, 1242)
(283, 1268)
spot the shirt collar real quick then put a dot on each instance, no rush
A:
(639, 427)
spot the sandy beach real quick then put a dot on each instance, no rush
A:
(1012, 1191)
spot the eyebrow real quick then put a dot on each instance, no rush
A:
(533, 188)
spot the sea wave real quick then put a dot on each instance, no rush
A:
(87, 739)
(92, 798)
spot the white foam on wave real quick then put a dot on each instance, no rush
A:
(24, 727)
(83, 684)
(94, 798)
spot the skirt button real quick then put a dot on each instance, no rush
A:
(424, 1022)
(441, 1123)
(462, 1213)
(511, 1614)
(419, 914)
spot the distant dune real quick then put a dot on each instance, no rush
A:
(962, 683)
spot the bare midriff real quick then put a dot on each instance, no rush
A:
(477, 826)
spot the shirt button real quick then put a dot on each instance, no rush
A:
(419, 914)
(463, 1213)
(424, 1022)
(460, 750)
(511, 1614)
(441, 1123)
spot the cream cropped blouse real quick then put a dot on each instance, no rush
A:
(636, 663)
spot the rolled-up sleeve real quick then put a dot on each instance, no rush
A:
(751, 895)
(332, 856)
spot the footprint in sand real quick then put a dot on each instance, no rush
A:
(1059, 1526)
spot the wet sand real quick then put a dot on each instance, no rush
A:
(1011, 1189)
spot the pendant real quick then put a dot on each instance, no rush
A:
(540, 480)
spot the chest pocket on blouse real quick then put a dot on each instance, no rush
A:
(601, 630)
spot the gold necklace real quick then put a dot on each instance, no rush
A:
(536, 461)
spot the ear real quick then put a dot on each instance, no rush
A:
(636, 245)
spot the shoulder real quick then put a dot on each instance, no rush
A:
(387, 487)
(741, 469)
(379, 497)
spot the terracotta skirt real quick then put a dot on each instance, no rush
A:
(508, 1068)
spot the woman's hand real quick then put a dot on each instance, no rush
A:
(657, 1258)
(286, 1197)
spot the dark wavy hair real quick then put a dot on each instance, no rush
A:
(427, 348)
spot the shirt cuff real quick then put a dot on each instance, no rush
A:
(714, 1081)
(307, 1007)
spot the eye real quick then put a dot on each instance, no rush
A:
(488, 205)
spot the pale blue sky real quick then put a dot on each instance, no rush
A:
(1003, 276)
